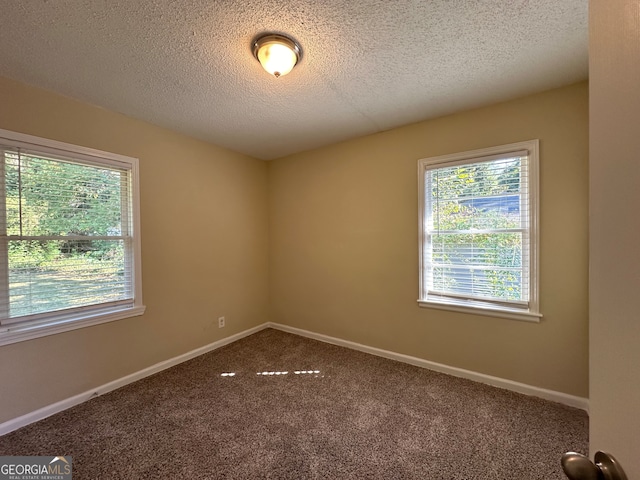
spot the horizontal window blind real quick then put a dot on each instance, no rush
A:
(66, 236)
(477, 231)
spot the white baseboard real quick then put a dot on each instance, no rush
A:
(552, 395)
(14, 424)
(559, 397)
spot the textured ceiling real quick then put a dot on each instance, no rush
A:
(367, 66)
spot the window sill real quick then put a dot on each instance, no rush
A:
(28, 331)
(510, 313)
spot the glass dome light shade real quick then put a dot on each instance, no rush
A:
(277, 54)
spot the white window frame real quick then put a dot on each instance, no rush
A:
(532, 311)
(54, 322)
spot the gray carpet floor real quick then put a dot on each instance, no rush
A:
(343, 415)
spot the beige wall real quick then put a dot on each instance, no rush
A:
(340, 257)
(343, 243)
(614, 67)
(204, 251)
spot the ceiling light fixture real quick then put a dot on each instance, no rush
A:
(277, 54)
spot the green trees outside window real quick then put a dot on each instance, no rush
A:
(477, 227)
(66, 233)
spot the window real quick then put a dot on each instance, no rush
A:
(478, 231)
(69, 237)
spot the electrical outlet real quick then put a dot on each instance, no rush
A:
(220, 322)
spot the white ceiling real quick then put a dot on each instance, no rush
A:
(367, 66)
